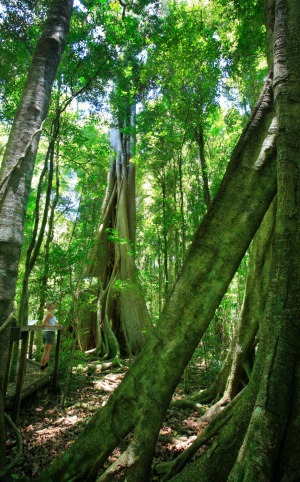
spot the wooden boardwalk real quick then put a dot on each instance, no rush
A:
(33, 380)
(29, 376)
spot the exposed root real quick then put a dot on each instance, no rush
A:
(109, 347)
(190, 404)
(212, 393)
(18, 454)
(118, 468)
(216, 408)
(175, 466)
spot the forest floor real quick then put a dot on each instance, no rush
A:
(49, 423)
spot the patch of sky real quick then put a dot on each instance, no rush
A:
(142, 56)
(81, 49)
(79, 6)
(98, 33)
(70, 199)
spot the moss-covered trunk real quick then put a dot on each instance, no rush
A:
(257, 286)
(269, 446)
(142, 398)
(275, 413)
(238, 364)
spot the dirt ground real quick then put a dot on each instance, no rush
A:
(48, 428)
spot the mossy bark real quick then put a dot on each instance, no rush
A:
(269, 447)
(257, 286)
(234, 373)
(275, 413)
(143, 396)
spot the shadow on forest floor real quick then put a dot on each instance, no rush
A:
(48, 430)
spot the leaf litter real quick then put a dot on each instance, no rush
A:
(48, 430)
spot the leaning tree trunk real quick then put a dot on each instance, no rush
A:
(272, 419)
(18, 161)
(142, 398)
(237, 366)
(122, 310)
(269, 447)
(229, 382)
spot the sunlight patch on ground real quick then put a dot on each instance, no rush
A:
(108, 383)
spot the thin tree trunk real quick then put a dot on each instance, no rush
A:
(34, 247)
(203, 164)
(183, 229)
(178, 258)
(160, 275)
(48, 241)
(36, 240)
(165, 236)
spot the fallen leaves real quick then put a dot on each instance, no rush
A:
(48, 430)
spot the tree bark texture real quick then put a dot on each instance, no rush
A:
(19, 157)
(123, 314)
(261, 452)
(257, 286)
(270, 446)
(141, 400)
(238, 364)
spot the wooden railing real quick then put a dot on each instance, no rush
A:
(25, 335)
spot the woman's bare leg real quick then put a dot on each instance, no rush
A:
(46, 354)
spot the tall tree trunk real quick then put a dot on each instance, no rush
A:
(182, 210)
(123, 315)
(43, 284)
(269, 447)
(32, 253)
(160, 274)
(37, 236)
(280, 345)
(165, 249)
(142, 398)
(177, 254)
(39, 228)
(18, 162)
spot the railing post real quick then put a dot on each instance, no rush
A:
(14, 336)
(31, 338)
(55, 373)
(21, 375)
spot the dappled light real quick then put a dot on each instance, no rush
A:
(47, 427)
(109, 383)
(149, 240)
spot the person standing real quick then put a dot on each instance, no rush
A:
(49, 323)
